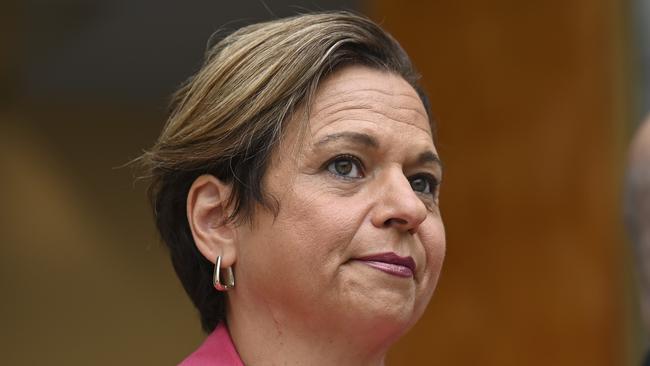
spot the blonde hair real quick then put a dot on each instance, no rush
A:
(226, 120)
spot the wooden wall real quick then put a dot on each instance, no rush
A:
(530, 129)
(525, 94)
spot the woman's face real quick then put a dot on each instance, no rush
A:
(358, 242)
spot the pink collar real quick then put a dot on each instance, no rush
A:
(216, 350)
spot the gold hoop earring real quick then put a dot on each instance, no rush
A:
(228, 277)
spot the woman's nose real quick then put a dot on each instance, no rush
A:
(398, 205)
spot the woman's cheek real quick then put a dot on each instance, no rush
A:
(432, 237)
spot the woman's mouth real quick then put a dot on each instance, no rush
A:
(390, 263)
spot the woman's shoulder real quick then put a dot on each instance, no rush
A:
(216, 350)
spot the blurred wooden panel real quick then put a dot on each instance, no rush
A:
(524, 95)
(83, 278)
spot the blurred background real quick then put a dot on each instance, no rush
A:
(536, 102)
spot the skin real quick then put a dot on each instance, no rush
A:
(362, 180)
(639, 161)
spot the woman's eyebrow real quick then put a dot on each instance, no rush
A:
(356, 137)
(429, 157)
(426, 157)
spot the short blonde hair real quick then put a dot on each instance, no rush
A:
(227, 119)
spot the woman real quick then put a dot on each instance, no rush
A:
(296, 186)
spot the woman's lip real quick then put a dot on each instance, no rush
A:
(390, 268)
(390, 263)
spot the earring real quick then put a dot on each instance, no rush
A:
(228, 277)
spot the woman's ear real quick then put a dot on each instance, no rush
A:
(207, 215)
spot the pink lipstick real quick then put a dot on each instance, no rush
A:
(390, 263)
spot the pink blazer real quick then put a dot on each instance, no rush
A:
(216, 350)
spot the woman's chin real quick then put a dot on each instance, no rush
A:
(376, 299)
(384, 315)
(382, 328)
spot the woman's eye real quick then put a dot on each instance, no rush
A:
(345, 166)
(423, 184)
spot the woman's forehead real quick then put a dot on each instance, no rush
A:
(359, 93)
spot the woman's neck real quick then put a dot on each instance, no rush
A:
(262, 337)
